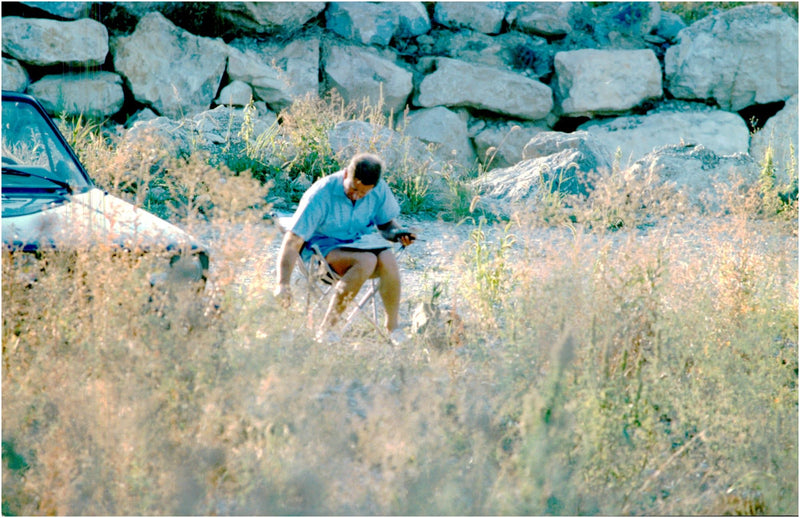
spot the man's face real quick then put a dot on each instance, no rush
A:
(353, 188)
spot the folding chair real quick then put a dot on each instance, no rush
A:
(320, 279)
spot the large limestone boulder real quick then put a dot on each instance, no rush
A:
(722, 132)
(486, 17)
(43, 42)
(702, 177)
(553, 162)
(593, 82)
(269, 17)
(447, 131)
(298, 60)
(279, 72)
(365, 23)
(360, 75)
(779, 135)
(744, 56)
(397, 150)
(169, 69)
(95, 94)
(15, 77)
(457, 83)
(258, 67)
(501, 144)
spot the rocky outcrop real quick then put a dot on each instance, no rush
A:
(478, 80)
(365, 23)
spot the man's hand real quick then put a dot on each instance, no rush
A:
(405, 238)
(284, 295)
(400, 235)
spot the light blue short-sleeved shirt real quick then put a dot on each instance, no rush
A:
(328, 218)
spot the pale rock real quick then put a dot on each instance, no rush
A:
(669, 26)
(299, 59)
(223, 126)
(360, 75)
(270, 17)
(501, 145)
(15, 77)
(541, 18)
(738, 58)
(176, 73)
(447, 130)
(235, 93)
(269, 83)
(634, 136)
(43, 42)
(412, 19)
(594, 82)
(363, 22)
(94, 95)
(552, 162)
(397, 150)
(457, 83)
(702, 177)
(485, 17)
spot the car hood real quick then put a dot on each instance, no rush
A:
(88, 219)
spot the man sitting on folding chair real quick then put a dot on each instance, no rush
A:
(333, 215)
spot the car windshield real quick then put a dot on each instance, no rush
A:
(34, 157)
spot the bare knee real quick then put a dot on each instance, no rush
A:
(387, 268)
(366, 266)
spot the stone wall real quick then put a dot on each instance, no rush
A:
(478, 79)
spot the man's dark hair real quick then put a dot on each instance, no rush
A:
(367, 168)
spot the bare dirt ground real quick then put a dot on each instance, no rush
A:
(443, 254)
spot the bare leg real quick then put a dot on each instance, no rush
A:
(355, 268)
(389, 274)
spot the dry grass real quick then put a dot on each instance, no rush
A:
(649, 370)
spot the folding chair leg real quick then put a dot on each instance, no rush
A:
(374, 302)
(370, 294)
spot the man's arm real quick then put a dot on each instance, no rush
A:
(287, 257)
(392, 231)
